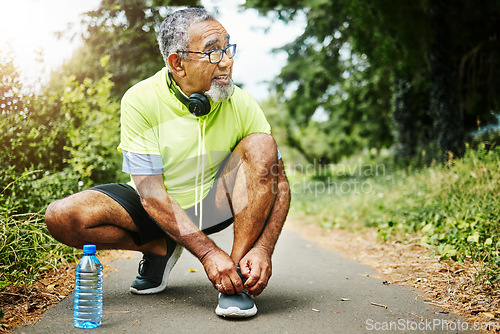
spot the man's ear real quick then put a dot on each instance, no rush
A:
(176, 65)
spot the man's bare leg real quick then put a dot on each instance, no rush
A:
(91, 217)
(254, 191)
(259, 196)
(251, 177)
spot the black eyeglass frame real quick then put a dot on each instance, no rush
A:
(209, 53)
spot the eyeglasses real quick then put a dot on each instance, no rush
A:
(215, 56)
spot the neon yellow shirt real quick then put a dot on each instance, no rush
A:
(154, 121)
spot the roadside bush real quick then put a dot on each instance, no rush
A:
(52, 144)
(27, 250)
(452, 207)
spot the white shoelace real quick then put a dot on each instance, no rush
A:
(200, 162)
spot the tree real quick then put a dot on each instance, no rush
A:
(94, 130)
(337, 103)
(31, 130)
(124, 30)
(436, 64)
(12, 110)
(55, 141)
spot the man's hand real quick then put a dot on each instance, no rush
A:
(222, 272)
(256, 267)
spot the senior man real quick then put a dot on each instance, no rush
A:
(201, 157)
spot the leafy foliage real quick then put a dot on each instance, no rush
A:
(366, 64)
(452, 207)
(52, 144)
(15, 150)
(94, 131)
(72, 133)
(459, 212)
(124, 30)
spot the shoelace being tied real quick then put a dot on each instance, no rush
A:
(145, 266)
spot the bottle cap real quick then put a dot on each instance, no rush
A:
(89, 249)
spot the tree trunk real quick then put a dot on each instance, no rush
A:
(448, 120)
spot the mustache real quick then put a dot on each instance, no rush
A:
(214, 82)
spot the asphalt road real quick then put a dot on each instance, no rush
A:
(312, 291)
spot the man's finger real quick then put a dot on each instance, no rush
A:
(227, 286)
(237, 284)
(245, 269)
(257, 288)
(254, 276)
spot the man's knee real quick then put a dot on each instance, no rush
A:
(258, 149)
(259, 153)
(53, 221)
(63, 221)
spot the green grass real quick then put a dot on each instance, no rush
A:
(27, 250)
(455, 208)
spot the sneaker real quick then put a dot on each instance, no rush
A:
(154, 270)
(236, 306)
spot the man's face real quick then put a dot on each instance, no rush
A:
(200, 73)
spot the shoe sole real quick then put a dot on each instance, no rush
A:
(236, 312)
(168, 267)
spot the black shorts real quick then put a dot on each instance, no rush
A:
(148, 228)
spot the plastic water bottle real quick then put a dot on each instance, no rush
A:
(87, 312)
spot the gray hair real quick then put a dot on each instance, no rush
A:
(173, 36)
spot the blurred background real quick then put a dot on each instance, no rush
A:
(386, 113)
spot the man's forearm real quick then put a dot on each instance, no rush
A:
(170, 216)
(174, 221)
(276, 220)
